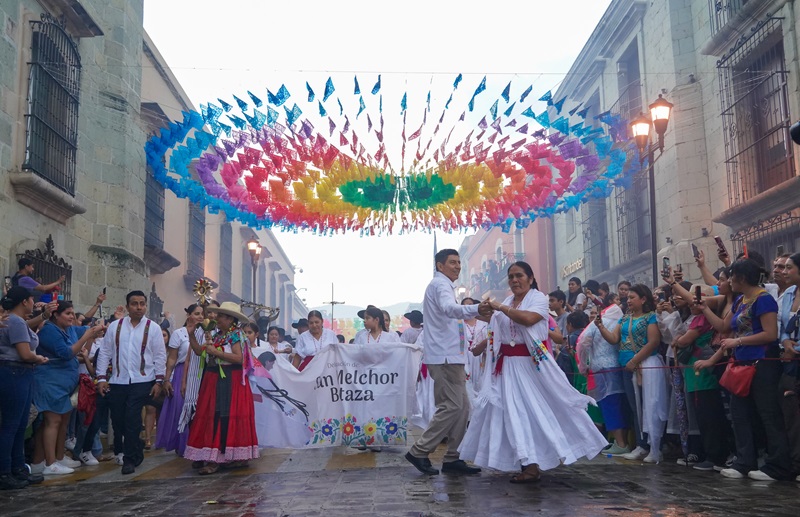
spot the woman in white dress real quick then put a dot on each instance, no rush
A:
(375, 325)
(474, 336)
(527, 415)
(311, 342)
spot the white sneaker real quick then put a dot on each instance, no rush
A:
(731, 473)
(760, 475)
(636, 454)
(70, 443)
(118, 458)
(69, 462)
(87, 458)
(37, 468)
(653, 458)
(56, 469)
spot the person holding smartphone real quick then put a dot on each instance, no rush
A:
(789, 319)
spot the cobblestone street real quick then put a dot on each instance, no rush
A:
(339, 481)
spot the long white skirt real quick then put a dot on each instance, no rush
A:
(526, 416)
(426, 406)
(475, 371)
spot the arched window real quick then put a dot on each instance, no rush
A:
(51, 116)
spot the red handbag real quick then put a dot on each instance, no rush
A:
(737, 378)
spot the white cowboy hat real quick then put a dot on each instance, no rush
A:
(232, 309)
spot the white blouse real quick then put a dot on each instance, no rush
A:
(180, 340)
(366, 338)
(308, 346)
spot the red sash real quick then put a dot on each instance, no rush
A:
(518, 350)
(307, 359)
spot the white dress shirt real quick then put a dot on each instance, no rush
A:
(127, 360)
(410, 335)
(307, 345)
(442, 339)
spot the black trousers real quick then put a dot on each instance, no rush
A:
(762, 405)
(791, 416)
(126, 402)
(715, 430)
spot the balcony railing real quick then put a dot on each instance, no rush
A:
(722, 11)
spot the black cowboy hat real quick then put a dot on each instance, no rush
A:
(302, 322)
(362, 312)
(414, 316)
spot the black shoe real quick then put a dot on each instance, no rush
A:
(10, 482)
(24, 475)
(459, 467)
(128, 468)
(139, 460)
(422, 464)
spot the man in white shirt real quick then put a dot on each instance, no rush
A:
(411, 334)
(444, 357)
(135, 348)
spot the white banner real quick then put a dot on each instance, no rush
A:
(346, 395)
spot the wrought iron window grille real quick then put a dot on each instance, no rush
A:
(765, 235)
(755, 113)
(49, 267)
(155, 305)
(51, 118)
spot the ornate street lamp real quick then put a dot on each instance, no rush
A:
(660, 112)
(254, 248)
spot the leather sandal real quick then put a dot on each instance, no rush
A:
(210, 468)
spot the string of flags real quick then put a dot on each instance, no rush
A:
(305, 163)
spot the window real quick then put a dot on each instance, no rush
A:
(155, 307)
(569, 220)
(51, 118)
(633, 218)
(225, 259)
(595, 237)
(755, 114)
(154, 212)
(196, 253)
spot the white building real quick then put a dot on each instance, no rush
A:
(728, 166)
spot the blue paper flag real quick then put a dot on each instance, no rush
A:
(543, 119)
(357, 89)
(255, 99)
(525, 93)
(329, 89)
(310, 93)
(458, 80)
(449, 100)
(558, 105)
(507, 112)
(341, 108)
(257, 120)
(529, 113)
(575, 109)
(227, 107)
(293, 114)
(242, 104)
(322, 111)
(493, 110)
(547, 97)
(377, 87)
(361, 107)
(237, 121)
(507, 92)
(582, 113)
(404, 103)
(272, 116)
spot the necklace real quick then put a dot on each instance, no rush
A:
(471, 337)
(512, 327)
(369, 335)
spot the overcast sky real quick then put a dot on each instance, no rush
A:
(217, 49)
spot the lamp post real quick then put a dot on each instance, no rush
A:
(255, 253)
(333, 302)
(660, 112)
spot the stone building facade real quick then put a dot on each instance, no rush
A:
(82, 87)
(728, 166)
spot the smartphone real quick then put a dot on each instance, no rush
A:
(104, 290)
(598, 320)
(7, 282)
(679, 268)
(744, 251)
(665, 267)
(661, 297)
(698, 293)
(778, 251)
(695, 250)
(667, 292)
(720, 246)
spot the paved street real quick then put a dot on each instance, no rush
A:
(340, 481)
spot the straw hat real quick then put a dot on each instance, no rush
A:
(232, 309)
